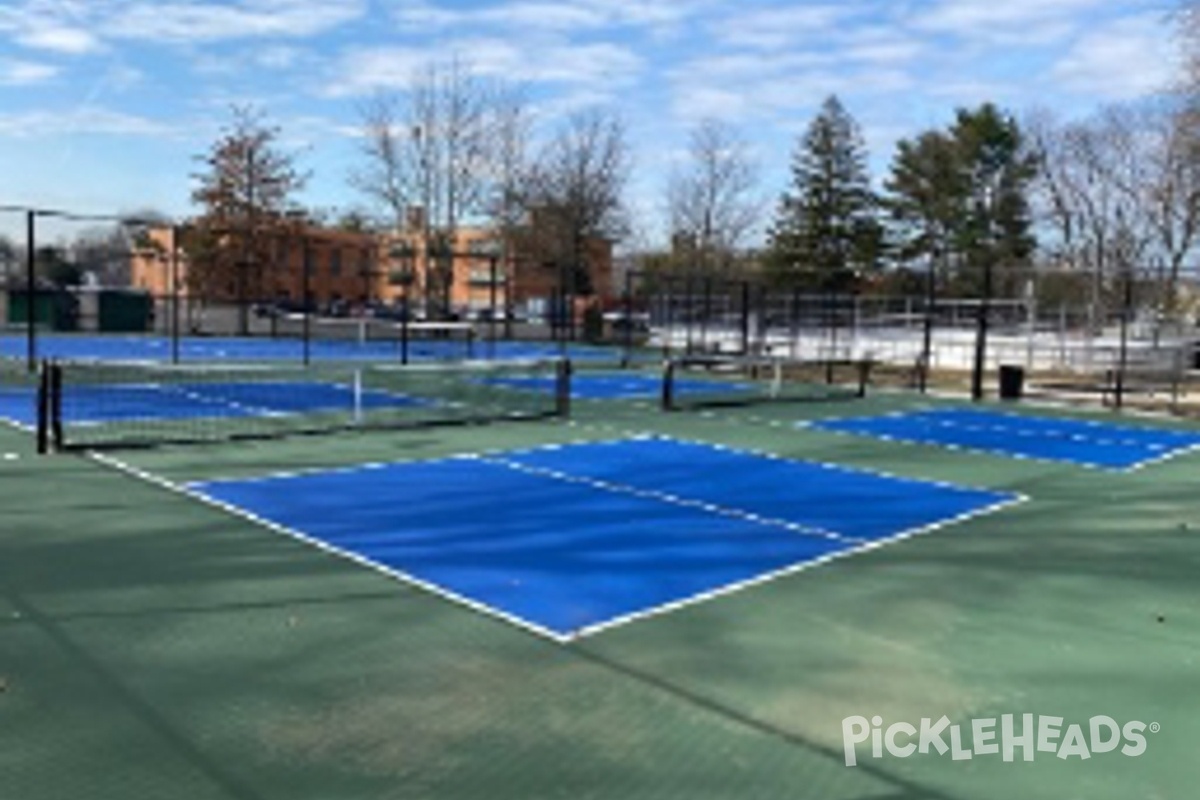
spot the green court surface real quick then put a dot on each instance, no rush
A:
(152, 646)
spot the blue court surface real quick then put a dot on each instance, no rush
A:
(1084, 442)
(618, 386)
(18, 405)
(567, 540)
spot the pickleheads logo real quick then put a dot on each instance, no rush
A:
(1029, 735)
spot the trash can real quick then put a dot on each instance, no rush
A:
(1012, 381)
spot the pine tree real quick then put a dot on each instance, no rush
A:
(826, 231)
(958, 199)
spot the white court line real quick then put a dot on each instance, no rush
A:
(953, 448)
(853, 470)
(673, 500)
(801, 566)
(1174, 452)
(858, 545)
(375, 465)
(348, 555)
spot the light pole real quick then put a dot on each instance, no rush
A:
(491, 249)
(403, 277)
(174, 293)
(927, 325)
(30, 289)
(987, 211)
(306, 244)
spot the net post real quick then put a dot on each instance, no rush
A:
(668, 385)
(864, 376)
(56, 398)
(43, 409)
(562, 388)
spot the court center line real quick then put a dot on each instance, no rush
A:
(671, 499)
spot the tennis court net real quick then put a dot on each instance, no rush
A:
(107, 404)
(696, 382)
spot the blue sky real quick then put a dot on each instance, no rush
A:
(105, 103)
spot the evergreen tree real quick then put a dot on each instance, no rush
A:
(959, 199)
(925, 198)
(826, 231)
(998, 170)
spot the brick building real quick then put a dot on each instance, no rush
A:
(353, 268)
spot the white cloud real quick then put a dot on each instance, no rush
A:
(75, 28)
(562, 63)
(1016, 21)
(696, 102)
(59, 26)
(201, 22)
(539, 16)
(59, 39)
(87, 121)
(1125, 59)
(778, 28)
(25, 73)
(279, 57)
(367, 70)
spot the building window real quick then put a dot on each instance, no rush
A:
(335, 262)
(483, 277)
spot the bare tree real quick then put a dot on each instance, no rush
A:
(713, 202)
(509, 176)
(1172, 163)
(1122, 190)
(10, 259)
(1187, 17)
(577, 193)
(385, 174)
(1092, 181)
(426, 155)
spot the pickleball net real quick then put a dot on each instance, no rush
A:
(700, 382)
(112, 404)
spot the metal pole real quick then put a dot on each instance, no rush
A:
(492, 276)
(689, 312)
(627, 334)
(831, 300)
(404, 326)
(30, 289)
(981, 331)
(510, 274)
(307, 301)
(927, 338)
(175, 294)
(561, 313)
(745, 318)
(405, 305)
(794, 324)
(1123, 358)
(668, 301)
